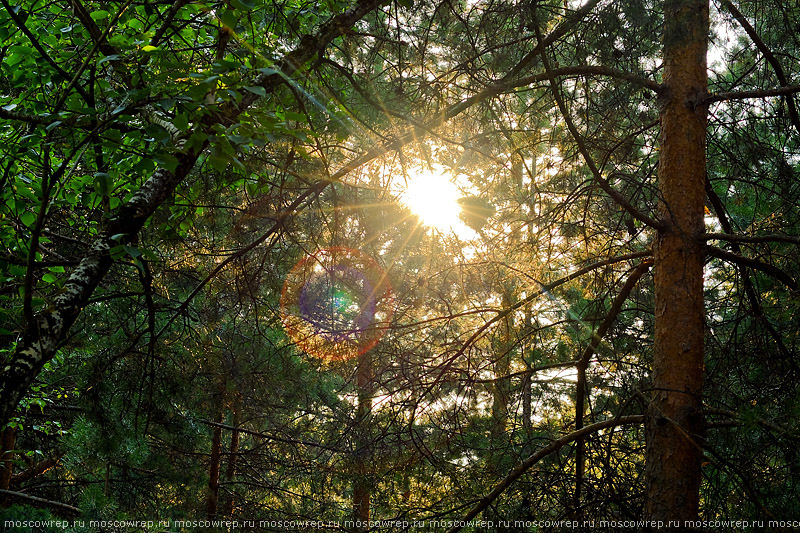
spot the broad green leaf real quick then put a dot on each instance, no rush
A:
(256, 89)
(28, 218)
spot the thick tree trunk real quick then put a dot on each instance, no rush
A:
(674, 419)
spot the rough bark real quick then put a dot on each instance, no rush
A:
(40, 340)
(674, 418)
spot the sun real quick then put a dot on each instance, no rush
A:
(433, 197)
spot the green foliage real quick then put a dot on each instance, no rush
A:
(184, 336)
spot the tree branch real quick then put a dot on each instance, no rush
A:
(531, 297)
(533, 459)
(768, 55)
(41, 502)
(583, 364)
(173, 11)
(761, 93)
(587, 156)
(39, 341)
(772, 237)
(755, 264)
(749, 288)
(35, 42)
(590, 70)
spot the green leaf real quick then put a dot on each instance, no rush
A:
(117, 252)
(244, 5)
(181, 121)
(170, 162)
(197, 139)
(112, 57)
(256, 89)
(28, 218)
(299, 117)
(100, 14)
(132, 251)
(229, 19)
(239, 139)
(218, 163)
(158, 133)
(102, 183)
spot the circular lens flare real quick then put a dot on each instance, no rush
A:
(336, 304)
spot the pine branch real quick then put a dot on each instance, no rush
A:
(769, 56)
(772, 237)
(581, 390)
(43, 336)
(536, 457)
(759, 93)
(41, 502)
(587, 156)
(755, 264)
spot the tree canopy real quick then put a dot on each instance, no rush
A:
(375, 262)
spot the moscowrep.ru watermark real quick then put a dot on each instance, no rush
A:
(394, 525)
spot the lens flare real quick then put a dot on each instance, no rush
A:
(336, 304)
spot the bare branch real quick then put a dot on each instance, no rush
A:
(41, 502)
(772, 237)
(762, 93)
(755, 264)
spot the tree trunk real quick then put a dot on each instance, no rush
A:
(8, 439)
(674, 419)
(230, 471)
(213, 468)
(501, 388)
(361, 481)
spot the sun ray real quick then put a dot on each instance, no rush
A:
(433, 197)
